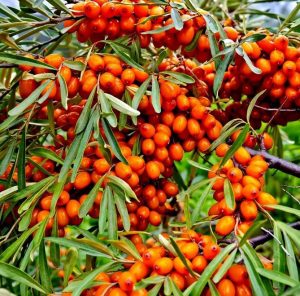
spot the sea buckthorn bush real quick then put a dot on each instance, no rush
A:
(148, 148)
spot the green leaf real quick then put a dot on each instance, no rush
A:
(194, 42)
(55, 248)
(262, 286)
(187, 213)
(155, 94)
(126, 58)
(103, 206)
(293, 234)
(178, 23)
(277, 276)
(85, 114)
(251, 231)
(175, 290)
(112, 140)
(89, 277)
(121, 106)
(253, 38)
(155, 290)
(106, 108)
(112, 217)
(46, 153)
(185, 78)
(229, 194)
(25, 221)
(159, 30)
(220, 71)
(213, 289)
(63, 91)
(83, 144)
(28, 101)
(44, 269)
(21, 162)
(8, 12)
(240, 51)
(74, 65)
(293, 291)
(9, 41)
(19, 276)
(70, 157)
(252, 104)
(139, 93)
(38, 237)
(70, 263)
(144, 283)
(122, 209)
(210, 269)
(7, 157)
(58, 4)
(200, 202)
(291, 258)
(236, 145)
(77, 244)
(225, 266)
(278, 255)
(88, 202)
(14, 247)
(126, 246)
(20, 60)
(286, 209)
(122, 185)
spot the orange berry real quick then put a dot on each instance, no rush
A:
(248, 209)
(226, 288)
(225, 225)
(199, 263)
(237, 273)
(163, 266)
(127, 281)
(83, 180)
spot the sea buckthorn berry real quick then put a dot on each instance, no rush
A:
(243, 290)
(96, 62)
(176, 151)
(123, 170)
(265, 199)
(161, 139)
(54, 60)
(222, 149)
(26, 87)
(169, 90)
(127, 281)
(148, 147)
(101, 166)
(190, 250)
(147, 130)
(255, 171)
(63, 199)
(250, 191)
(62, 217)
(107, 80)
(83, 180)
(242, 156)
(237, 273)
(210, 251)
(116, 291)
(268, 141)
(153, 170)
(226, 288)
(248, 210)
(199, 263)
(235, 175)
(150, 256)
(163, 265)
(225, 225)
(154, 218)
(277, 57)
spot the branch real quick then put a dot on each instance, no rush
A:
(278, 163)
(261, 239)
(7, 65)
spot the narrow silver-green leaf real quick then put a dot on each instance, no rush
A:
(155, 94)
(229, 194)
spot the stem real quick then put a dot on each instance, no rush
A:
(6, 65)
(261, 239)
(278, 163)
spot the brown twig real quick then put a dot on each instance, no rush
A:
(278, 163)
(261, 239)
(7, 65)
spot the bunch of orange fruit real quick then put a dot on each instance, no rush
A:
(158, 261)
(245, 174)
